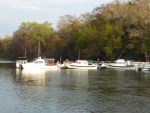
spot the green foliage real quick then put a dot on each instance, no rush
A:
(5, 47)
(29, 35)
(146, 47)
(80, 38)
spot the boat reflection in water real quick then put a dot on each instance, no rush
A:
(36, 76)
(76, 91)
(32, 77)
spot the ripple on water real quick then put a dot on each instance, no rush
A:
(74, 91)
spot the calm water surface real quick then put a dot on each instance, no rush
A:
(73, 91)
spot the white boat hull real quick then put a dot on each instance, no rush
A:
(62, 66)
(35, 66)
(121, 63)
(39, 63)
(120, 67)
(82, 67)
(81, 64)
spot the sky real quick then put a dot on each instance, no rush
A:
(14, 12)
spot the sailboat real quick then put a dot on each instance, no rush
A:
(121, 63)
(82, 64)
(39, 63)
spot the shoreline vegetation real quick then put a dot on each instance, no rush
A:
(103, 34)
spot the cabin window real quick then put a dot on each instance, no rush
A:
(40, 62)
(48, 61)
(51, 62)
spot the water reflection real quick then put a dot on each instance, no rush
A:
(31, 77)
(34, 89)
(74, 79)
(108, 82)
(75, 91)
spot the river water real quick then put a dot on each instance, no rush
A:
(73, 91)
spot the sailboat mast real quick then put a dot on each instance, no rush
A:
(25, 54)
(39, 50)
(120, 55)
(79, 55)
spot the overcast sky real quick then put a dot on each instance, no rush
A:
(14, 12)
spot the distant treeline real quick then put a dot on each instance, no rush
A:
(109, 31)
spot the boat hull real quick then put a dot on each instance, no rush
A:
(81, 64)
(34, 66)
(120, 67)
(121, 63)
(62, 66)
(81, 67)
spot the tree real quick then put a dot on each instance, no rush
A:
(5, 47)
(67, 25)
(30, 34)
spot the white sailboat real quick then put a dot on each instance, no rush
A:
(39, 63)
(82, 64)
(121, 63)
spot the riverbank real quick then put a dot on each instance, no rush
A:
(6, 61)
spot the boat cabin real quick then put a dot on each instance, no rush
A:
(49, 61)
(123, 62)
(45, 61)
(81, 62)
(120, 61)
